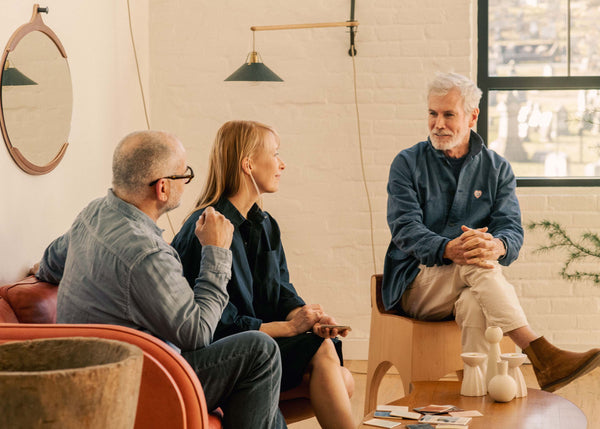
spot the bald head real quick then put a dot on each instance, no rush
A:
(144, 156)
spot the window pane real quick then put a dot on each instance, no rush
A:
(528, 37)
(546, 133)
(585, 48)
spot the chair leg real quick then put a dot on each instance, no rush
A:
(374, 377)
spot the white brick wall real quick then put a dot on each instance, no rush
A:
(321, 205)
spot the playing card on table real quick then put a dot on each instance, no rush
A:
(381, 423)
(392, 408)
(469, 413)
(435, 409)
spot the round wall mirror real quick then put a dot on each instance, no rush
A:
(36, 97)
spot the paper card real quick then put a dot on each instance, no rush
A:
(385, 415)
(381, 423)
(469, 413)
(435, 409)
(391, 408)
(445, 419)
(406, 415)
(419, 426)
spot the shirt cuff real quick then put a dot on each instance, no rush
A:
(505, 248)
(217, 259)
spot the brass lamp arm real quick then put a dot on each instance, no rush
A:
(352, 24)
(301, 26)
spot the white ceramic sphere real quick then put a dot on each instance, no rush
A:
(502, 387)
(493, 334)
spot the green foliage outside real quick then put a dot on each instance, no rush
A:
(583, 249)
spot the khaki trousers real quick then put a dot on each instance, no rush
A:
(476, 297)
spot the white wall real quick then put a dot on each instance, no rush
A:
(36, 209)
(186, 50)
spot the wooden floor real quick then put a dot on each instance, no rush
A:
(584, 392)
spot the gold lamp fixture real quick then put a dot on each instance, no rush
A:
(254, 70)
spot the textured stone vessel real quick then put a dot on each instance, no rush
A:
(69, 383)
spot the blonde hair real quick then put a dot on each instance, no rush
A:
(235, 141)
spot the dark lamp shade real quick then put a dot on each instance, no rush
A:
(252, 71)
(13, 77)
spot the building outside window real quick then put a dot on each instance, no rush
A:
(539, 69)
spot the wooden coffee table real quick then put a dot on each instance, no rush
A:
(538, 409)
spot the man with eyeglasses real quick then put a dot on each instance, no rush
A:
(114, 267)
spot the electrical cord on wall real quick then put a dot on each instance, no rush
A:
(137, 67)
(362, 161)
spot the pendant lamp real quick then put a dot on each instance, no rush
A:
(253, 70)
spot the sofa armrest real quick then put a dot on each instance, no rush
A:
(31, 300)
(170, 393)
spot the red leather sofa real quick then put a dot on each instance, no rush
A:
(170, 393)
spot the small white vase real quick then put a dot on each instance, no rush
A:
(502, 388)
(515, 360)
(473, 383)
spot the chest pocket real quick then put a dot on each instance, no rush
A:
(266, 284)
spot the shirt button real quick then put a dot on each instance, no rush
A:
(451, 224)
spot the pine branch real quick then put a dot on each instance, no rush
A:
(587, 247)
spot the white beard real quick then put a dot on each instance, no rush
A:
(446, 144)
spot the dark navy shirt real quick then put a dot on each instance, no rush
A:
(427, 205)
(259, 289)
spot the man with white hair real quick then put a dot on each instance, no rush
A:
(455, 218)
(114, 267)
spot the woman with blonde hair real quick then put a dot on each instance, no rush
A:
(244, 164)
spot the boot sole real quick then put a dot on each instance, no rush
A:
(584, 369)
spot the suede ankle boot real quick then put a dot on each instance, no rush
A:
(555, 368)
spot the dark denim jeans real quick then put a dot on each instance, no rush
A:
(241, 374)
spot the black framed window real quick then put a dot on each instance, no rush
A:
(539, 70)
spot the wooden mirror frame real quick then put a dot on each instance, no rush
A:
(35, 24)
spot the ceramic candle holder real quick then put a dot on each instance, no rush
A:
(473, 383)
(515, 360)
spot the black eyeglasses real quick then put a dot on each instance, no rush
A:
(189, 176)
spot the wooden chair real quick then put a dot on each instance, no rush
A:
(423, 351)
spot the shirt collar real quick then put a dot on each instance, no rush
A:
(231, 212)
(131, 211)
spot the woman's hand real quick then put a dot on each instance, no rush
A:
(303, 318)
(328, 332)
